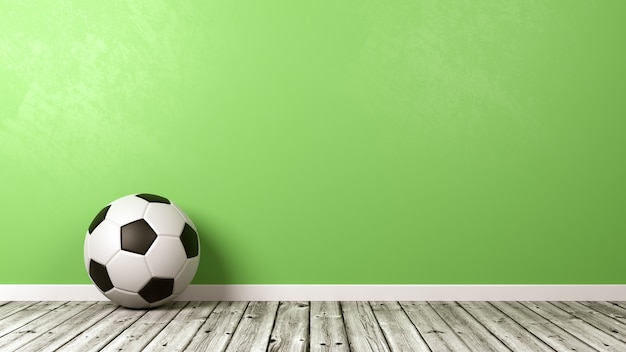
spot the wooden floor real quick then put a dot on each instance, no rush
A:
(315, 326)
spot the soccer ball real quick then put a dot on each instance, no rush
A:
(141, 251)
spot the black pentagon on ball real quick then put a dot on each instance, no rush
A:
(99, 218)
(100, 276)
(137, 236)
(152, 198)
(189, 238)
(157, 289)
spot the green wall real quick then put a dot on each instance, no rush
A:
(407, 142)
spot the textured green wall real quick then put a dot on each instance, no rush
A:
(420, 141)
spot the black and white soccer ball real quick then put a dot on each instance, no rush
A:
(141, 251)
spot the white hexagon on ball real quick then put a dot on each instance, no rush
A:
(104, 242)
(185, 216)
(128, 271)
(183, 279)
(141, 250)
(166, 257)
(164, 219)
(127, 209)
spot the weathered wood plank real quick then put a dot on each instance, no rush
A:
(398, 329)
(546, 331)
(435, 331)
(143, 330)
(178, 333)
(253, 332)
(610, 309)
(475, 336)
(291, 329)
(26, 315)
(67, 330)
(598, 320)
(513, 335)
(13, 307)
(104, 331)
(575, 326)
(35, 328)
(619, 304)
(362, 329)
(217, 330)
(328, 332)
(333, 326)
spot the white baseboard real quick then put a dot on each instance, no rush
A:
(339, 293)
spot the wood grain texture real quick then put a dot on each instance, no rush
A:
(400, 333)
(253, 331)
(475, 336)
(602, 322)
(364, 333)
(291, 329)
(437, 334)
(576, 326)
(10, 308)
(314, 326)
(544, 329)
(178, 333)
(612, 310)
(513, 335)
(70, 328)
(25, 314)
(218, 329)
(328, 332)
(619, 304)
(104, 331)
(141, 332)
(42, 325)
